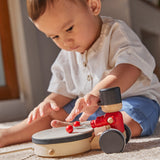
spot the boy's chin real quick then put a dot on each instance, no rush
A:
(82, 51)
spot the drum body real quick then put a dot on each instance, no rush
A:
(56, 142)
(62, 149)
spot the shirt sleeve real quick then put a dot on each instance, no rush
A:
(58, 82)
(126, 47)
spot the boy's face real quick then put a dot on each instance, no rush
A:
(73, 26)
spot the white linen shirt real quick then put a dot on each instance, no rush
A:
(75, 74)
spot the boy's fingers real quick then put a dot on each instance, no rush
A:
(54, 106)
(29, 118)
(71, 116)
(87, 113)
(35, 113)
(84, 117)
(91, 100)
(76, 110)
(79, 106)
(43, 109)
(87, 100)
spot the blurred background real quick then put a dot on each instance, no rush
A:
(26, 54)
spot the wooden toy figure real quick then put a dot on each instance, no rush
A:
(107, 132)
(111, 134)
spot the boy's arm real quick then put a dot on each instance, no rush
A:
(60, 100)
(123, 76)
(51, 103)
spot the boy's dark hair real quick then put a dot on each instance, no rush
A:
(37, 7)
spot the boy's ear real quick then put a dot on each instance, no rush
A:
(95, 6)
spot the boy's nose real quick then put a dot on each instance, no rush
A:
(68, 42)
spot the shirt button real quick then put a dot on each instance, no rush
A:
(84, 64)
(89, 77)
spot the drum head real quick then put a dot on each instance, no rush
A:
(60, 135)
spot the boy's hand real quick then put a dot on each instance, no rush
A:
(43, 109)
(87, 104)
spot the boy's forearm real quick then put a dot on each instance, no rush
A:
(107, 82)
(123, 76)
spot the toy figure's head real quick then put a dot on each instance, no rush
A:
(110, 99)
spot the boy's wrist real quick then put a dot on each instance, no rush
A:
(95, 93)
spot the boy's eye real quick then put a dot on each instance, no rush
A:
(54, 37)
(69, 29)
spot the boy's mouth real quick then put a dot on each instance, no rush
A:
(74, 48)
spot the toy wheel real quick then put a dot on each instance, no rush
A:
(112, 141)
(128, 133)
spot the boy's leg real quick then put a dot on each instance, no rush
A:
(23, 132)
(141, 115)
(135, 127)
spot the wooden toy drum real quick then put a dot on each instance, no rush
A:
(57, 142)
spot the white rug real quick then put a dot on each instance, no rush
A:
(146, 148)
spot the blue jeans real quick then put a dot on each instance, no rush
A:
(141, 109)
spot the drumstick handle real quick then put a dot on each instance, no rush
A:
(86, 123)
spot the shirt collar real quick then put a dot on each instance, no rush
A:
(97, 46)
